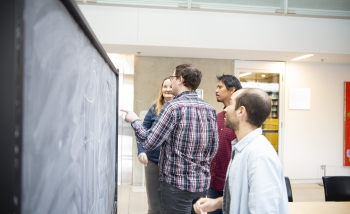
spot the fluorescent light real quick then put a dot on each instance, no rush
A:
(302, 57)
(245, 74)
(262, 75)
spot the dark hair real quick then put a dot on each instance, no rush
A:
(191, 75)
(230, 81)
(257, 104)
(179, 68)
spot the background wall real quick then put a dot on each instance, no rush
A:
(212, 40)
(125, 64)
(149, 74)
(311, 137)
(315, 137)
(150, 71)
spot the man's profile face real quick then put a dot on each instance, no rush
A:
(174, 85)
(221, 92)
(231, 120)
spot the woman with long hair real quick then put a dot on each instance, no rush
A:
(150, 158)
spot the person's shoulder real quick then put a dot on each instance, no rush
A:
(259, 140)
(170, 105)
(153, 106)
(261, 147)
(179, 101)
(221, 113)
(189, 100)
(208, 105)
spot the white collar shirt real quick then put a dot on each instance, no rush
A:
(255, 176)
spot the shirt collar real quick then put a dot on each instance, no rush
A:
(239, 146)
(186, 93)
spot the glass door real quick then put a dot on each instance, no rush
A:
(269, 82)
(266, 76)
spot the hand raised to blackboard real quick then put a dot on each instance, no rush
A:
(130, 116)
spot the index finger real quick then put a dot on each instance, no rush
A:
(124, 110)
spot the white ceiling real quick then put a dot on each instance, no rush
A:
(129, 30)
(224, 53)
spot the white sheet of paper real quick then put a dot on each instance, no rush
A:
(299, 98)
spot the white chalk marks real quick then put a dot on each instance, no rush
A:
(69, 117)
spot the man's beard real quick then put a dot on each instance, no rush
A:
(219, 100)
(232, 125)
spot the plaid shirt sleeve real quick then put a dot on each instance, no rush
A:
(161, 129)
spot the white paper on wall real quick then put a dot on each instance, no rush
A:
(299, 98)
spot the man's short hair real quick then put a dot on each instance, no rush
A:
(179, 68)
(230, 81)
(257, 104)
(191, 75)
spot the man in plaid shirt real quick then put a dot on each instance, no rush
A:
(187, 130)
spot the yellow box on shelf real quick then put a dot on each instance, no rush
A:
(270, 129)
(271, 124)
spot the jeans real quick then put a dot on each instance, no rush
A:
(212, 193)
(152, 186)
(176, 201)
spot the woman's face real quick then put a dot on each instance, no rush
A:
(167, 90)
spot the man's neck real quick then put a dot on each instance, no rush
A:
(182, 89)
(244, 130)
(226, 103)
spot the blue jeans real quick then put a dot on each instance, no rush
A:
(176, 201)
(212, 193)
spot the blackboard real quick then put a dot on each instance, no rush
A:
(68, 118)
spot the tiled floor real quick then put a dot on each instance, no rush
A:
(134, 201)
(131, 202)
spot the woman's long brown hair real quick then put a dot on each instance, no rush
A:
(160, 100)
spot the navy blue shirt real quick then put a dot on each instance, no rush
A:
(152, 155)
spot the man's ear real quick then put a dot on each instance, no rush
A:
(242, 112)
(232, 90)
(181, 79)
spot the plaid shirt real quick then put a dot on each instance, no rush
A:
(187, 130)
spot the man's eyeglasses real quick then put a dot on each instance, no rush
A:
(172, 77)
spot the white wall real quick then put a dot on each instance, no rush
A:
(125, 64)
(315, 137)
(204, 29)
(311, 137)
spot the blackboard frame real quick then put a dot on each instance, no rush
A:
(76, 14)
(11, 96)
(11, 85)
(74, 11)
